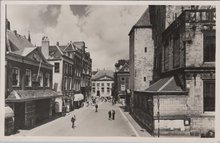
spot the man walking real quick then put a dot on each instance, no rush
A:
(109, 114)
(113, 114)
(96, 108)
(73, 119)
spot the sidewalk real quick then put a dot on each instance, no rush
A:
(139, 131)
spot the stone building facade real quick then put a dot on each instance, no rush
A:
(141, 57)
(181, 97)
(102, 83)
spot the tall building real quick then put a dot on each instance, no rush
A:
(181, 96)
(28, 82)
(141, 52)
(72, 71)
(102, 83)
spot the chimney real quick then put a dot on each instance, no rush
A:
(8, 25)
(29, 36)
(45, 46)
(15, 31)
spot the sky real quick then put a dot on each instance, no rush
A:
(103, 28)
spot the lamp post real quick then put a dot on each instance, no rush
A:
(158, 115)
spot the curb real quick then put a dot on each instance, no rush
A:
(132, 127)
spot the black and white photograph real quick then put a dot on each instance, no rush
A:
(109, 70)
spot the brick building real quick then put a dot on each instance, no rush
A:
(72, 71)
(28, 82)
(121, 83)
(141, 54)
(181, 96)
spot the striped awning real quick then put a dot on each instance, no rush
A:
(78, 97)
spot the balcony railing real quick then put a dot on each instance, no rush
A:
(203, 16)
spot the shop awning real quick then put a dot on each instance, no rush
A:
(8, 112)
(78, 97)
(166, 86)
(27, 95)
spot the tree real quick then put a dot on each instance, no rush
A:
(121, 62)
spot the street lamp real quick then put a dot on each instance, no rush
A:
(158, 115)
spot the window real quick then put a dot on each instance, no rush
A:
(93, 84)
(70, 69)
(144, 78)
(166, 55)
(103, 84)
(103, 90)
(145, 49)
(122, 79)
(66, 68)
(40, 78)
(70, 83)
(176, 51)
(98, 84)
(108, 89)
(93, 89)
(15, 76)
(209, 46)
(47, 80)
(65, 83)
(209, 95)
(108, 84)
(56, 67)
(28, 78)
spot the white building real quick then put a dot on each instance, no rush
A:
(102, 83)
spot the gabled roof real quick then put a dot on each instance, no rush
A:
(102, 73)
(164, 86)
(55, 52)
(144, 19)
(18, 44)
(143, 22)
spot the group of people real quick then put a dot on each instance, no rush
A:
(111, 114)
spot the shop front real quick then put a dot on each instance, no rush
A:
(78, 100)
(31, 107)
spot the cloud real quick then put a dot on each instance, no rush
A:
(103, 28)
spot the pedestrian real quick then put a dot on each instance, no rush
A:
(113, 114)
(96, 108)
(73, 119)
(109, 114)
